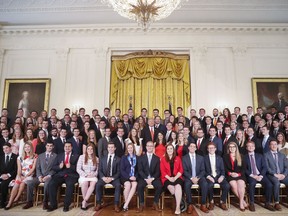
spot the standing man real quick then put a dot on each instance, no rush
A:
(103, 144)
(119, 142)
(77, 144)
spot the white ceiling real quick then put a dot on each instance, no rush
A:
(50, 12)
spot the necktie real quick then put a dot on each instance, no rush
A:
(198, 144)
(264, 142)
(215, 121)
(219, 134)
(167, 136)
(7, 160)
(64, 140)
(109, 173)
(122, 143)
(275, 132)
(277, 164)
(253, 165)
(47, 158)
(102, 133)
(149, 159)
(226, 139)
(77, 141)
(193, 166)
(152, 134)
(67, 158)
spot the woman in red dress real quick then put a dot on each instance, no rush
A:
(160, 145)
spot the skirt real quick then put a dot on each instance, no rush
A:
(83, 179)
(178, 181)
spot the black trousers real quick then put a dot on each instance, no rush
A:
(141, 187)
(4, 190)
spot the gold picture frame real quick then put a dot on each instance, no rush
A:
(29, 94)
(265, 91)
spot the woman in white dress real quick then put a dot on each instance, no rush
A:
(87, 168)
(134, 138)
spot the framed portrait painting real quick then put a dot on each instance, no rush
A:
(270, 93)
(28, 94)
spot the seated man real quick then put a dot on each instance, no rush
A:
(44, 173)
(277, 170)
(64, 167)
(149, 174)
(215, 174)
(256, 171)
(109, 173)
(8, 170)
(194, 173)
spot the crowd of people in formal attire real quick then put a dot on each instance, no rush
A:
(233, 150)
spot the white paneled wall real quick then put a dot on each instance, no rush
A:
(78, 62)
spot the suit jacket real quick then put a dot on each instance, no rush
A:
(143, 167)
(271, 163)
(260, 164)
(266, 146)
(77, 148)
(203, 147)
(258, 147)
(58, 146)
(165, 168)
(103, 118)
(11, 168)
(43, 169)
(2, 142)
(219, 145)
(103, 166)
(161, 128)
(272, 133)
(120, 151)
(202, 122)
(71, 172)
(220, 170)
(146, 135)
(231, 139)
(125, 167)
(102, 148)
(187, 166)
(237, 169)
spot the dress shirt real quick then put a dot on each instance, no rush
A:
(212, 159)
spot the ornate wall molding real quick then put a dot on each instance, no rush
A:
(9, 31)
(239, 50)
(101, 52)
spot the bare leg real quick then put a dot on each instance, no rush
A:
(127, 188)
(90, 190)
(131, 194)
(241, 192)
(84, 188)
(13, 194)
(178, 197)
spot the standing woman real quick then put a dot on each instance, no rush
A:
(129, 173)
(87, 168)
(91, 139)
(241, 138)
(85, 131)
(134, 138)
(171, 175)
(112, 123)
(235, 172)
(27, 137)
(40, 142)
(141, 122)
(227, 115)
(15, 141)
(181, 147)
(26, 164)
(173, 138)
(160, 145)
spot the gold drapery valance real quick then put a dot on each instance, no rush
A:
(149, 78)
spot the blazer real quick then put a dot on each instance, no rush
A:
(271, 164)
(187, 166)
(219, 145)
(237, 169)
(231, 139)
(203, 147)
(58, 146)
(2, 142)
(220, 170)
(260, 164)
(83, 169)
(258, 146)
(266, 146)
(77, 148)
(125, 167)
(161, 128)
(146, 135)
(120, 151)
(165, 168)
(11, 168)
(43, 169)
(102, 147)
(143, 167)
(66, 171)
(103, 166)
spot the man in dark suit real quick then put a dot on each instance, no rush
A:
(106, 115)
(169, 128)
(119, 143)
(94, 123)
(208, 122)
(158, 125)
(4, 139)
(103, 144)
(201, 143)
(216, 140)
(275, 129)
(250, 116)
(180, 114)
(109, 173)
(238, 115)
(228, 138)
(149, 174)
(194, 173)
(202, 118)
(266, 139)
(8, 171)
(44, 173)
(149, 133)
(215, 174)
(220, 130)
(256, 171)
(64, 167)
(60, 141)
(76, 142)
(101, 129)
(251, 137)
(277, 169)
(126, 125)
(66, 121)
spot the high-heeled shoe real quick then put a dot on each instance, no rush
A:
(125, 209)
(242, 209)
(177, 213)
(7, 207)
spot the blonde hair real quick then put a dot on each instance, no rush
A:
(31, 153)
(134, 151)
(237, 153)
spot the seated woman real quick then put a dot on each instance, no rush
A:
(171, 175)
(87, 168)
(129, 173)
(235, 172)
(26, 164)
(160, 145)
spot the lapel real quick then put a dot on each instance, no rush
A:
(114, 164)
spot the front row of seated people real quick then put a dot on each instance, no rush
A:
(170, 173)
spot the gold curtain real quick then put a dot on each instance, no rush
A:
(149, 78)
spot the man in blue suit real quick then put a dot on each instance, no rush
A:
(76, 142)
(216, 140)
(266, 139)
(215, 174)
(194, 173)
(277, 169)
(256, 171)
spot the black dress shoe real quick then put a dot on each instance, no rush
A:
(65, 209)
(7, 208)
(50, 209)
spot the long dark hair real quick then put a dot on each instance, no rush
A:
(158, 141)
(167, 156)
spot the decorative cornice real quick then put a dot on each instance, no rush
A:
(133, 28)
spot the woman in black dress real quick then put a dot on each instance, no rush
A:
(235, 172)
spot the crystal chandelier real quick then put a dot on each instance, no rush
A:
(144, 11)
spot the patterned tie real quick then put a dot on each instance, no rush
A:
(152, 134)
(277, 163)
(109, 173)
(253, 165)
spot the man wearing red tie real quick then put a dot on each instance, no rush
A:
(201, 143)
(65, 172)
